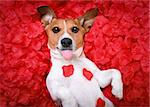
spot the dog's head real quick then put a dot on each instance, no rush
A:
(65, 36)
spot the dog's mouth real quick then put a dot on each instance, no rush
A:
(67, 53)
(63, 49)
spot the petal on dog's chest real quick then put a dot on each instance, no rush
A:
(88, 75)
(100, 103)
(68, 70)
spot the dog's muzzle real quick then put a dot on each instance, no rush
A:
(66, 49)
(66, 44)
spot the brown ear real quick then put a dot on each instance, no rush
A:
(88, 18)
(47, 14)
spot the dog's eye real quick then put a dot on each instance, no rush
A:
(74, 29)
(56, 29)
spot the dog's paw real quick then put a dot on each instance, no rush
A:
(117, 84)
(117, 89)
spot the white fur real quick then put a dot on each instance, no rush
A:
(48, 17)
(76, 90)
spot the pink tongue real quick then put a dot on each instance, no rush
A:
(67, 54)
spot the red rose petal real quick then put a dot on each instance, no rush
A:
(100, 103)
(68, 70)
(87, 74)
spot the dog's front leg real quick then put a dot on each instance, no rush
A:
(105, 77)
(62, 93)
(112, 76)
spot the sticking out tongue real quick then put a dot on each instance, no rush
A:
(67, 54)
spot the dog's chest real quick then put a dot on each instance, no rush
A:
(77, 77)
(73, 70)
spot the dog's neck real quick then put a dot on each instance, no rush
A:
(56, 55)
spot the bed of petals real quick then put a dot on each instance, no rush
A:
(118, 39)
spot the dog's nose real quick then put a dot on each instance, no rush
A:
(66, 42)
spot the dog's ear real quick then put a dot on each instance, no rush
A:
(88, 18)
(47, 14)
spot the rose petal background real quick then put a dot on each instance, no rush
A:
(118, 39)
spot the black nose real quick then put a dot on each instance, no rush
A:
(66, 42)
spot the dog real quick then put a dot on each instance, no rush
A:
(74, 79)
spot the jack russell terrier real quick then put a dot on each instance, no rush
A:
(74, 79)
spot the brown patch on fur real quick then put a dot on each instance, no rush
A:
(77, 37)
(84, 24)
(54, 37)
